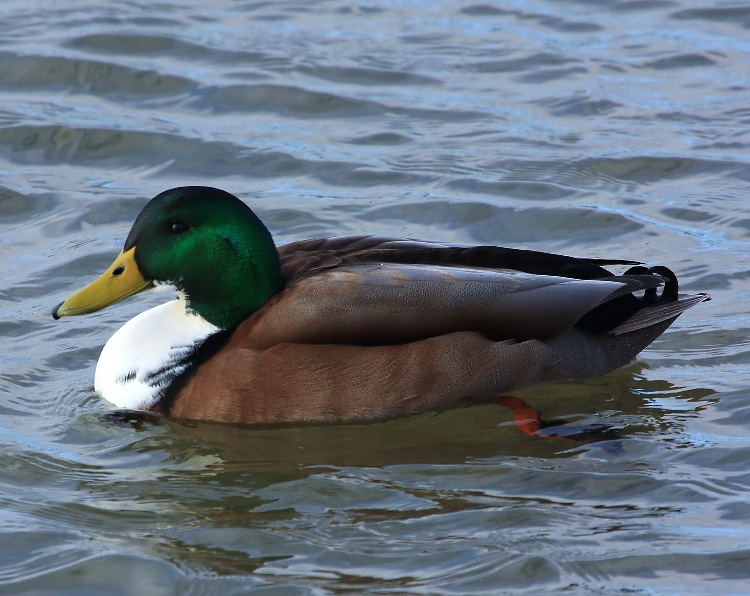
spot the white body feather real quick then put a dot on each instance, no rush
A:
(131, 369)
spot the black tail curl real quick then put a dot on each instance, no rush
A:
(611, 314)
(669, 291)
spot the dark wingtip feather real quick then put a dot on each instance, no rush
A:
(656, 313)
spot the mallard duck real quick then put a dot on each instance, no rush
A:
(352, 328)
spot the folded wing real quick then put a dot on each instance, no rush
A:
(377, 304)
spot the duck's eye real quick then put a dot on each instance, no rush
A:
(178, 227)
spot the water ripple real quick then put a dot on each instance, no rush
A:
(51, 73)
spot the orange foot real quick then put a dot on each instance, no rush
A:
(531, 423)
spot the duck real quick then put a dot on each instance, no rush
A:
(352, 328)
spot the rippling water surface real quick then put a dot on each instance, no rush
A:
(617, 129)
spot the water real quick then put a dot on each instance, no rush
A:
(616, 129)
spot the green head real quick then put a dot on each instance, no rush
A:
(204, 241)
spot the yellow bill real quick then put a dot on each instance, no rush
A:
(122, 279)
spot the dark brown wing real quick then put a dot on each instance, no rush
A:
(306, 258)
(386, 304)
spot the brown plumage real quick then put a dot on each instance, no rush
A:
(368, 328)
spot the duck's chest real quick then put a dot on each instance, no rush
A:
(146, 354)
